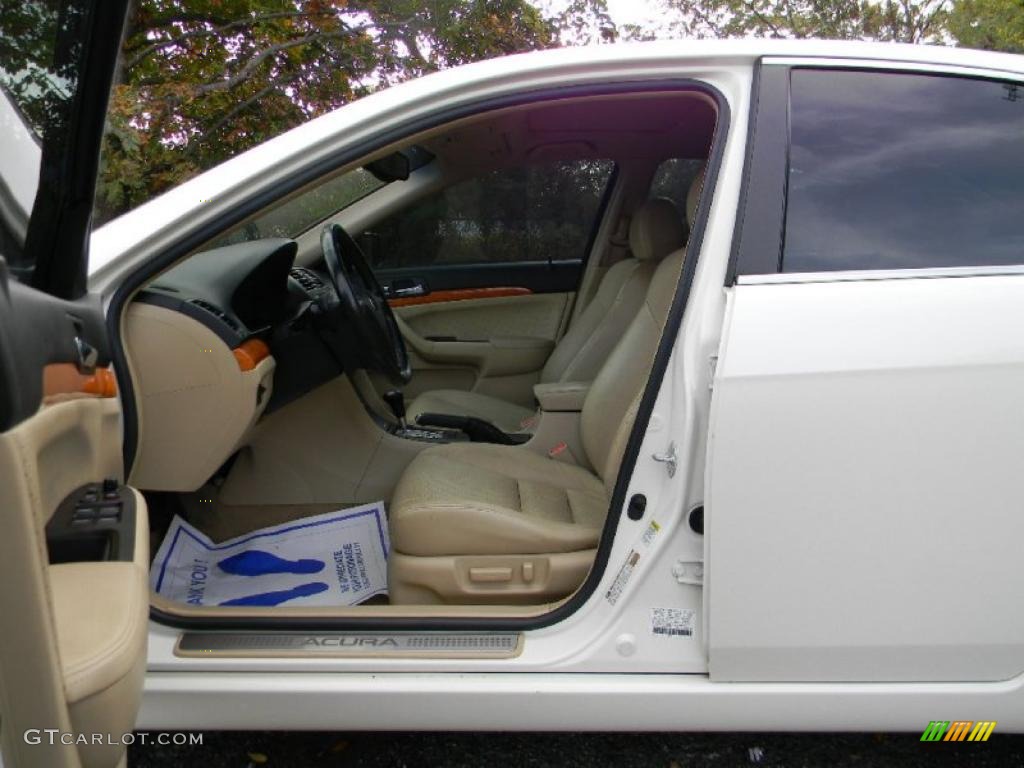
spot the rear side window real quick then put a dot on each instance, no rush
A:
(538, 213)
(899, 171)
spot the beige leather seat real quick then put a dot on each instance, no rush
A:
(656, 230)
(478, 523)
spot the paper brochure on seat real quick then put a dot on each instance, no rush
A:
(338, 558)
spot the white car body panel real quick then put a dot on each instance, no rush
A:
(616, 702)
(752, 629)
(916, 385)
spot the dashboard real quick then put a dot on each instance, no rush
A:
(238, 291)
(253, 290)
(217, 342)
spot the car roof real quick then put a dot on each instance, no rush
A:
(754, 48)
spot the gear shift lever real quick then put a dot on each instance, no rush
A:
(396, 402)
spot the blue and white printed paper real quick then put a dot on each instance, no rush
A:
(338, 558)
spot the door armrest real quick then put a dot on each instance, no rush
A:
(101, 617)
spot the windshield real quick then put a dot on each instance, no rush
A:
(295, 216)
(201, 82)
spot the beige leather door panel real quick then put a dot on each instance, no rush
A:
(496, 346)
(77, 658)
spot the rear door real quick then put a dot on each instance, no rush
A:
(864, 509)
(74, 546)
(483, 273)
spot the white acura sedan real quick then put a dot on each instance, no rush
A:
(673, 386)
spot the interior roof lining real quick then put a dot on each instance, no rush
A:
(593, 126)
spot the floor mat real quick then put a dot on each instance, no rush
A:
(338, 558)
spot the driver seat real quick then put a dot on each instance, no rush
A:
(657, 229)
(478, 523)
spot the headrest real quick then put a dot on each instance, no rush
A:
(656, 230)
(693, 196)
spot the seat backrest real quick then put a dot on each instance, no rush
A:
(656, 230)
(614, 397)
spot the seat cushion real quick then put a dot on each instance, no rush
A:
(508, 417)
(482, 499)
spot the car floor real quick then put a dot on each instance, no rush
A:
(222, 521)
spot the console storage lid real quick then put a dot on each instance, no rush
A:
(561, 395)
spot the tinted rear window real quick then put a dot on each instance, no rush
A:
(892, 171)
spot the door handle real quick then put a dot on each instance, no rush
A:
(405, 288)
(87, 356)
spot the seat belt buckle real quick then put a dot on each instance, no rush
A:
(560, 451)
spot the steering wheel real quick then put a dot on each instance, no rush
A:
(365, 307)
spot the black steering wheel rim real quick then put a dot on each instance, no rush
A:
(365, 307)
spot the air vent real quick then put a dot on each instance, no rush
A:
(216, 312)
(307, 278)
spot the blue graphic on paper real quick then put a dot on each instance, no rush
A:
(280, 596)
(346, 549)
(256, 562)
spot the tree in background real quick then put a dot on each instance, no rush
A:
(203, 80)
(995, 25)
(904, 21)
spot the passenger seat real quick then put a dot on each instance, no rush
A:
(657, 229)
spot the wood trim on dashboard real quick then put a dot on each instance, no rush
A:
(62, 379)
(251, 353)
(459, 294)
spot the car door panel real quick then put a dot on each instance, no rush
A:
(863, 515)
(494, 345)
(75, 544)
(77, 660)
(459, 321)
(82, 625)
(531, 276)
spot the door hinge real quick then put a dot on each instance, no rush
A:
(712, 367)
(689, 572)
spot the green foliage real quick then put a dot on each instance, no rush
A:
(27, 35)
(203, 80)
(995, 25)
(907, 21)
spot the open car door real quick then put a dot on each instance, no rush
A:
(74, 542)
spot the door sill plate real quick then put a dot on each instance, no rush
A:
(358, 645)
